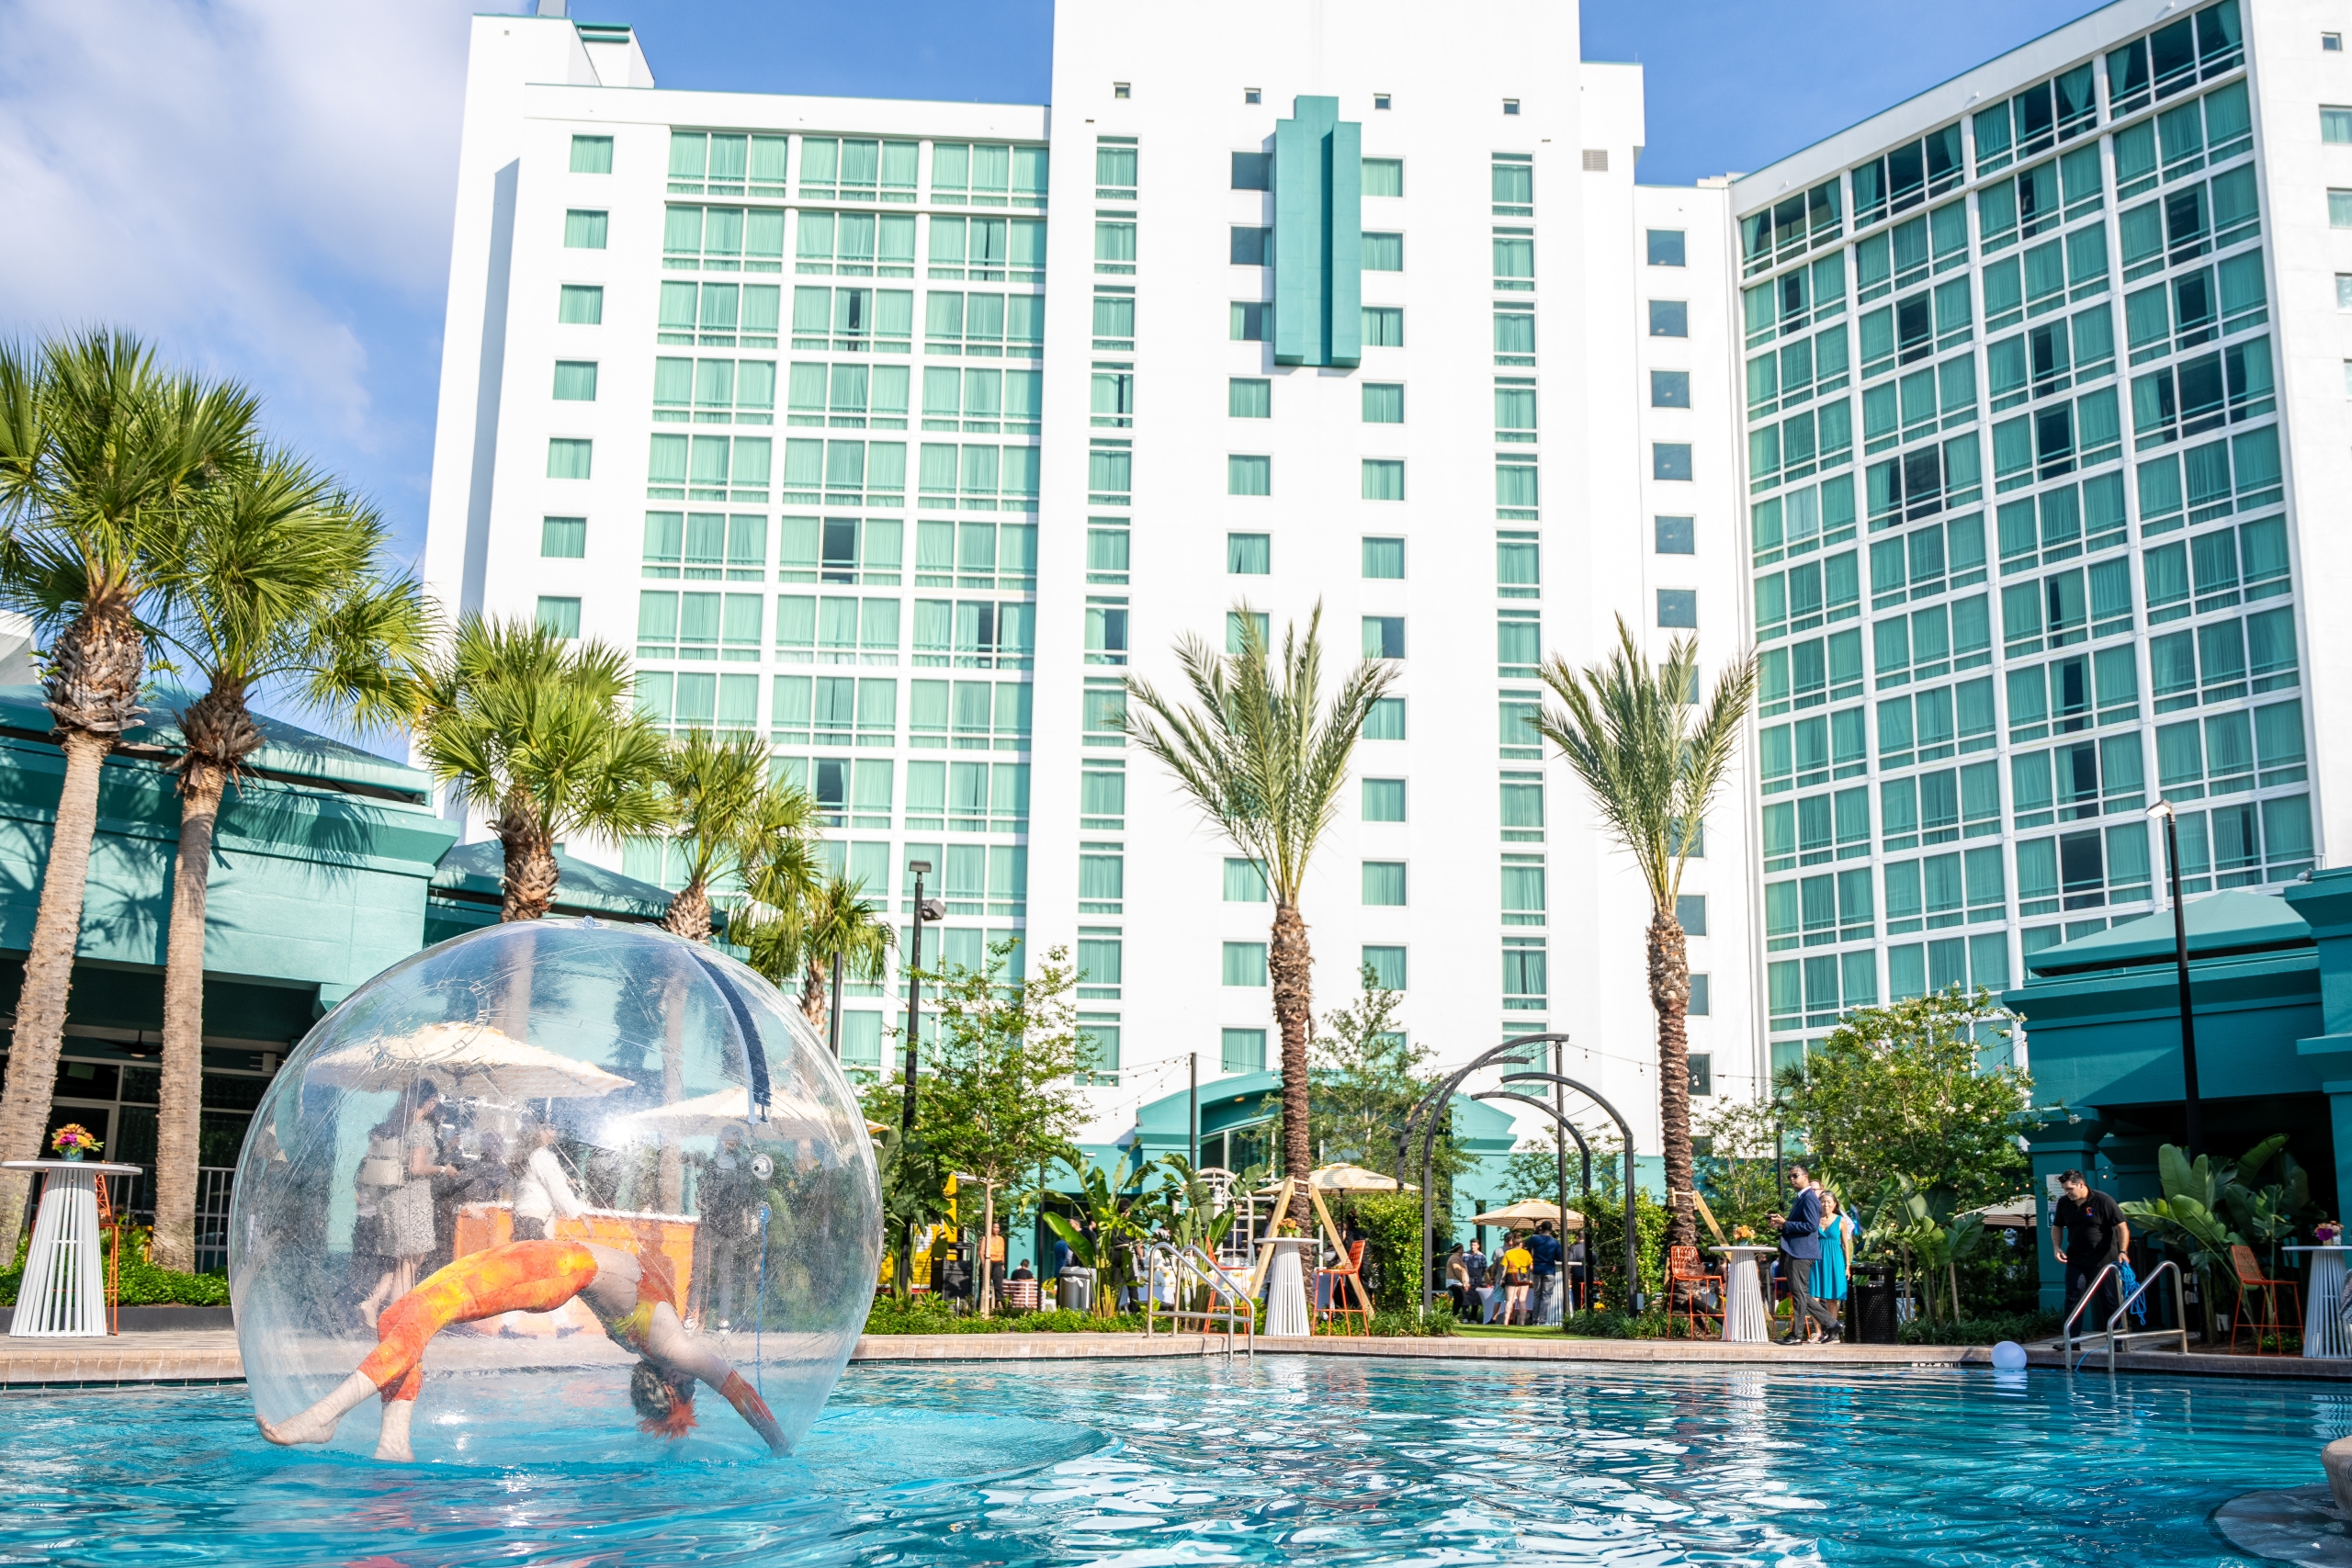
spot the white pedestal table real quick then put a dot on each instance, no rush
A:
(1744, 1320)
(1287, 1285)
(64, 1291)
(2326, 1336)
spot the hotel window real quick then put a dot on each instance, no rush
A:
(561, 616)
(1670, 459)
(1675, 536)
(1114, 246)
(1908, 176)
(1525, 975)
(1114, 168)
(1113, 398)
(1669, 389)
(1387, 720)
(1678, 607)
(1384, 884)
(1511, 184)
(1669, 318)
(1245, 881)
(592, 154)
(1114, 322)
(1249, 396)
(1388, 967)
(1249, 555)
(1384, 479)
(1666, 247)
(1239, 627)
(1384, 325)
(1251, 246)
(1384, 252)
(1383, 636)
(1522, 807)
(1254, 171)
(1384, 800)
(1384, 176)
(1251, 320)
(1241, 1050)
(563, 538)
(584, 230)
(1384, 558)
(1383, 402)
(1514, 260)
(1244, 963)
(568, 459)
(1249, 475)
(1519, 567)
(581, 304)
(1379, 100)
(1515, 331)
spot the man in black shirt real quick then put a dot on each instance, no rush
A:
(2091, 1234)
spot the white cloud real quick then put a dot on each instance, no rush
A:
(254, 185)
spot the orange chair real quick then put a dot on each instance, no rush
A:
(2249, 1272)
(1331, 1286)
(1686, 1275)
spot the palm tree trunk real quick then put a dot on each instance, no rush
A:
(180, 1116)
(1669, 960)
(39, 1028)
(812, 995)
(529, 879)
(1291, 962)
(689, 913)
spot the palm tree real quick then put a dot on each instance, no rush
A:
(1265, 761)
(542, 733)
(840, 928)
(275, 581)
(101, 453)
(1652, 757)
(714, 789)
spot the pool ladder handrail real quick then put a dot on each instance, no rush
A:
(1189, 1263)
(2179, 1312)
(2090, 1294)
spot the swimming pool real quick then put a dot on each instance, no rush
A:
(1292, 1459)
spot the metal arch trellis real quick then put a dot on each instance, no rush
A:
(1423, 1118)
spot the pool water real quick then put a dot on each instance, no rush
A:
(1292, 1459)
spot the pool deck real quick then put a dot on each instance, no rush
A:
(196, 1358)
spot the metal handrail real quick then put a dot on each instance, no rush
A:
(2179, 1309)
(1188, 1259)
(2090, 1294)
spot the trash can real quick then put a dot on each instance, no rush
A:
(1869, 1304)
(1074, 1290)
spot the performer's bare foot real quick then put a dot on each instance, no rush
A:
(311, 1427)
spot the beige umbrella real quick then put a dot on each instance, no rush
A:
(477, 1059)
(1344, 1178)
(1526, 1212)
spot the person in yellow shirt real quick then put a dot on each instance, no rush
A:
(1519, 1272)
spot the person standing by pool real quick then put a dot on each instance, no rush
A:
(541, 1190)
(404, 1212)
(1457, 1280)
(1800, 1250)
(1519, 1272)
(1544, 1249)
(2091, 1233)
(1837, 1252)
(632, 1295)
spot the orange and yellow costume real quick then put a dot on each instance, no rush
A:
(522, 1276)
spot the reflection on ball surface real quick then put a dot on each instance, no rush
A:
(538, 1187)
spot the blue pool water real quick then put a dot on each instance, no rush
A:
(1292, 1458)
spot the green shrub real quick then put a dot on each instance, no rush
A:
(929, 1314)
(142, 1283)
(2020, 1326)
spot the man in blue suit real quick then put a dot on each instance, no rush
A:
(1800, 1250)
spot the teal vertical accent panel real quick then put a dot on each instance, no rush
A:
(1318, 236)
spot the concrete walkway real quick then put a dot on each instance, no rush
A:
(200, 1356)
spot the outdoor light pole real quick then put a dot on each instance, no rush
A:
(2195, 1113)
(1192, 1111)
(925, 909)
(834, 1030)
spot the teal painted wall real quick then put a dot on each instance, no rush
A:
(1318, 236)
(310, 885)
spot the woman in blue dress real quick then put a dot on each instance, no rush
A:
(1837, 1237)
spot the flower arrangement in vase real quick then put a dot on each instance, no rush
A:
(2327, 1233)
(73, 1140)
(1742, 1235)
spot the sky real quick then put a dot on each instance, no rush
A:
(262, 188)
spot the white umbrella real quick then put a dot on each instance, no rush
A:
(726, 1108)
(1526, 1212)
(477, 1059)
(1344, 1178)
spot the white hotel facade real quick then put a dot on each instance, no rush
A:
(901, 432)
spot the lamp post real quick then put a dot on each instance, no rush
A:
(2195, 1116)
(925, 909)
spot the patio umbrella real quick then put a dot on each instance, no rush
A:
(727, 1107)
(2011, 1213)
(1344, 1178)
(478, 1061)
(1526, 1212)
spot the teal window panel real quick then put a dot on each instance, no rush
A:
(1318, 235)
